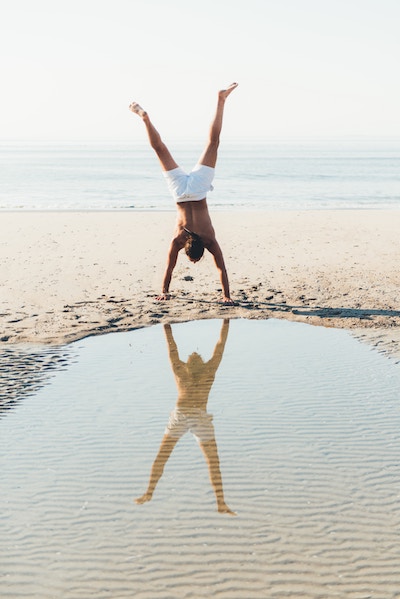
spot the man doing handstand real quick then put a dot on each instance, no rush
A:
(194, 230)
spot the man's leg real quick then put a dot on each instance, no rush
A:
(164, 155)
(209, 156)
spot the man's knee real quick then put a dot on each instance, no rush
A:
(214, 142)
(159, 146)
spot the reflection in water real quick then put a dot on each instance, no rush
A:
(24, 371)
(194, 380)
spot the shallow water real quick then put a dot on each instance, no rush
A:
(278, 175)
(303, 447)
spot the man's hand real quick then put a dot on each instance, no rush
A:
(163, 297)
(228, 301)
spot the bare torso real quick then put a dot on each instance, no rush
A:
(195, 217)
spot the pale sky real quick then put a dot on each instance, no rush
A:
(306, 68)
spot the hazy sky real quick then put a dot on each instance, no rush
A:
(305, 67)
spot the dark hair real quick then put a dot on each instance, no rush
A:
(194, 247)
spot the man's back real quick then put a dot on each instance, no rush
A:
(195, 217)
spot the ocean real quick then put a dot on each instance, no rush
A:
(278, 175)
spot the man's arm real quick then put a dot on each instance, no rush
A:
(174, 249)
(216, 358)
(216, 251)
(173, 352)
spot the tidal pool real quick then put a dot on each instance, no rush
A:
(238, 460)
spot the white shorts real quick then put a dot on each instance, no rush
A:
(195, 420)
(190, 187)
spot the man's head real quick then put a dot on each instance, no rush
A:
(195, 360)
(194, 247)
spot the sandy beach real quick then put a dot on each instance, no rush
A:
(67, 275)
(271, 462)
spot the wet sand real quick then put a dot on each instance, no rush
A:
(67, 275)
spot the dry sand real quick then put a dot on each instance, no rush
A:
(66, 275)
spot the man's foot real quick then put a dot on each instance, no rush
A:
(144, 498)
(224, 93)
(137, 109)
(225, 509)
